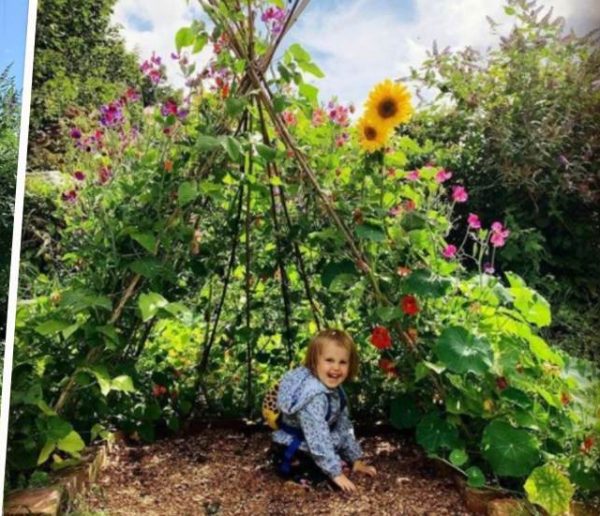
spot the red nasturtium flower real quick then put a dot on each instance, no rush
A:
(409, 305)
(381, 338)
(388, 367)
(501, 383)
(587, 444)
(565, 398)
(158, 390)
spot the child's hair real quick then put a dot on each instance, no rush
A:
(340, 337)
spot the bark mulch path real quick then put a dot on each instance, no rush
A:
(222, 472)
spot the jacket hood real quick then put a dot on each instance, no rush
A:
(297, 388)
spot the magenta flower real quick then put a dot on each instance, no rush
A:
(488, 268)
(339, 114)
(70, 196)
(442, 176)
(341, 139)
(274, 17)
(459, 194)
(132, 95)
(169, 108)
(449, 251)
(111, 114)
(473, 221)
(413, 175)
(79, 175)
(499, 234)
(75, 133)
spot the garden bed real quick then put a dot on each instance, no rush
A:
(224, 471)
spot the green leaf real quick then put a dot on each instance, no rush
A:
(413, 220)
(585, 476)
(311, 68)
(146, 240)
(122, 383)
(149, 267)
(72, 443)
(46, 451)
(187, 192)
(233, 148)
(280, 102)
(184, 37)
(51, 326)
(548, 487)
(404, 412)
(517, 397)
(475, 477)
(234, 106)
(58, 428)
(309, 92)
(80, 299)
(540, 349)
(207, 143)
(512, 452)
(102, 376)
(423, 283)
(150, 304)
(265, 152)
(298, 52)
(334, 269)
(434, 433)
(370, 232)
(199, 43)
(462, 352)
(458, 457)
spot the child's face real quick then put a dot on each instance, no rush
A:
(333, 364)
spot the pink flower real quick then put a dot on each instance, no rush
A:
(499, 234)
(409, 205)
(442, 176)
(169, 108)
(473, 221)
(449, 251)
(79, 175)
(75, 133)
(70, 196)
(104, 175)
(341, 139)
(289, 118)
(413, 175)
(339, 115)
(318, 117)
(395, 211)
(459, 194)
(488, 269)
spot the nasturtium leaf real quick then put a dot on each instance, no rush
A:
(51, 326)
(334, 269)
(462, 352)
(389, 313)
(150, 304)
(234, 106)
(543, 351)
(122, 383)
(78, 300)
(149, 267)
(298, 52)
(423, 283)
(548, 487)
(475, 477)
(311, 68)
(146, 240)
(199, 43)
(517, 397)
(187, 192)
(585, 476)
(280, 102)
(404, 412)
(434, 433)
(458, 457)
(413, 220)
(72, 443)
(184, 37)
(512, 452)
(48, 448)
(370, 232)
(530, 304)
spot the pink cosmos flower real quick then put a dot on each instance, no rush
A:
(413, 175)
(459, 194)
(499, 234)
(442, 176)
(339, 115)
(449, 251)
(289, 118)
(473, 221)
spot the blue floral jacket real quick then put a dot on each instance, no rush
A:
(303, 401)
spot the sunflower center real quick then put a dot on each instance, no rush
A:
(370, 133)
(387, 108)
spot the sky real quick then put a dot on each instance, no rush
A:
(356, 43)
(13, 29)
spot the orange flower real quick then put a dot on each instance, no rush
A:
(168, 165)
(403, 271)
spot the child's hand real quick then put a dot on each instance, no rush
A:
(360, 467)
(344, 483)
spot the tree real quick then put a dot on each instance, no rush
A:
(80, 61)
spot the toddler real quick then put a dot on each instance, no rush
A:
(315, 432)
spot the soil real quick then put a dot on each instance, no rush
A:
(222, 472)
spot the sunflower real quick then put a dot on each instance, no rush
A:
(389, 103)
(372, 135)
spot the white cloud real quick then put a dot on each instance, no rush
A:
(359, 42)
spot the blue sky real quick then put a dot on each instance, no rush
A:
(13, 30)
(357, 43)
